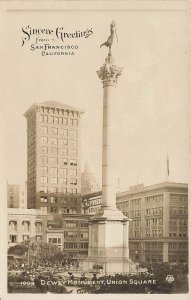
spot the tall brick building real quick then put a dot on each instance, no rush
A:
(53, 157)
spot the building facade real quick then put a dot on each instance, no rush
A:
(24, 224)
(53, 157)
(158, 230)
(16, 196)
(70, 233)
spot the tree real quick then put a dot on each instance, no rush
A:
(37, 252)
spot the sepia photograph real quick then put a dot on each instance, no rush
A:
(96, 156)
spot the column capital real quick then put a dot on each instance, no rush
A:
(109, 72)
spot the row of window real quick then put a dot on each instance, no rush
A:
(181, 234)
(58, 131)
(154, 222)
(57, 180)
(58, 120)
(25, 237)
(55, 190)
(182, 210)
(62, 161)
(61, 151)
(177, 246)
(25, 226)
(154, 233)
(75, 235)
(55, 141)
(177, 197)
(154, 211)
(74, 245)
(153, 246)
(154, 199)
(55, 171)
(70, 224)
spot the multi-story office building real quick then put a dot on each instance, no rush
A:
(70, 233)
(53, 157)
(158, 230)
(16, 196)
(24, 224)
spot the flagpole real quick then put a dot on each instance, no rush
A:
(167, 168)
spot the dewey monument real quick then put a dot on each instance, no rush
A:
(109, 228)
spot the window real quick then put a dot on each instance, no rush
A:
(84, 245)
(84, 235)
(54, 151)
(63, 190)
(160, 233)
(54, 180)
(38, 226)
(73, 181)
(44, 170)
(44, 159)
(70, 234)
(54, 160)
(51, 119)
(54, 190)
(44, 140)
(75, 122)
(63, 132)
(44, 150)
(44, 129)
(26, 225)
(70, 245)
(54, 210)
(65, 121)
(43, 199)
(54, 141)
(12, 238)
(44, 179)
(53, 200)
(45, 119)
(43, 189)
(54, 171)
(64, 161)
(73, 172)
(63, 180)
(63, 171)
(43, 208)
(73, 133)
(73, 162)
(63, 142)
(56, 120)
(64, 152)
(54, 130)
(70, 224)
(73, 153)
(13, 225)
(60, 120)
(41, 118)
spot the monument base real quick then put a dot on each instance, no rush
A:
(108, 266)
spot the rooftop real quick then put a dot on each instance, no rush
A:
(53, 104)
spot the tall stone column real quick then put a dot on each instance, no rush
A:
(108, 74)
(108, 228)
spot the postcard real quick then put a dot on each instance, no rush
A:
(95, 136)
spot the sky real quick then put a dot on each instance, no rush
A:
(152, 108)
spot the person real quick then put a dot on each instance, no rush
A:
(94, 279)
